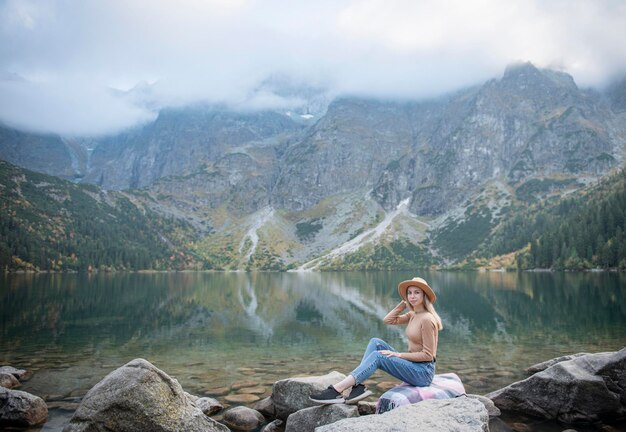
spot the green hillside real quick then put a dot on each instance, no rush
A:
(52, 224)
(581, 231)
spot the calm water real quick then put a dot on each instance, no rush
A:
(216, 332)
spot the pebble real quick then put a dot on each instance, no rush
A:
(243, 418)
(242, 384)
(366, 408)
(253, 390)
(242, 398)
(386, 385)
(275, 426)
(52, 397)
(66, 406)
(220, 391)
(209, 406)
(521, 427)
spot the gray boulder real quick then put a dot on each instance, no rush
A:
(8, 381)
(461, 414)
(20, 374)
(308, 419)
(209, 406)
(275, 426)
(243, 418)
(18, 408)
(139, 396)
(266, 407)
(292, 394)
(586, 389)
(492, 409)
(366, 408)
(546, 364)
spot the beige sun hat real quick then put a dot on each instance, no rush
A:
(416, 282)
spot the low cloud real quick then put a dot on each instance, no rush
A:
(100, 66)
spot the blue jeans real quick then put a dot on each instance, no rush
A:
(415, 373)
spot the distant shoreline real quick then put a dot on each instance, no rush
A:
(455, 270)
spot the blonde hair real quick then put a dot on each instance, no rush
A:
(430, 308)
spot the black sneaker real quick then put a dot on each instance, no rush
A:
(357, 393)
(328, 396)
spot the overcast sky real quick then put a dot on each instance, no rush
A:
(66, 65)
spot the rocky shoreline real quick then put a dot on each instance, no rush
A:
(585, 390)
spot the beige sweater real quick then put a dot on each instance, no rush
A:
(421, 330)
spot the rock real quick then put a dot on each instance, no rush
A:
(306, 420)
(259, 390)
(220, 391)
(586, 389)
(18, 408)
(139, 396)
(63, 405)
(209, 406)
(546, 364)
(521, 427)
(292, 394)
(266, 407)
(492, 409)
(191, 397)
(387, 385)
(461, 414)
(8, 381)
(275, 426)
(20, 374)
(366, 408)
(243, 418)
(496, 424)
(241, 384)
(242, 398)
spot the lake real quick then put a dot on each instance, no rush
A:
(213, 330)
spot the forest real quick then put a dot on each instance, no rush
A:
(581, 231)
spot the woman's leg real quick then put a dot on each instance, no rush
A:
(374, 345)
(417, 374)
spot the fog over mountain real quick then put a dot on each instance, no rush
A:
(93, 68)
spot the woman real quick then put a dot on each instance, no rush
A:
(416, 366)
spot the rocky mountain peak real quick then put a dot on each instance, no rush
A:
(525, 83)
(436, 152)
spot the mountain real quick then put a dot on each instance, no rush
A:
(49, 154)
(362, 184)
(52, 224)
(582, 231)
(616, 92)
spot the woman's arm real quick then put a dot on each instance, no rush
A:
(394, 317)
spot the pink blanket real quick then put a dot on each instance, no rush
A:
(444, 386)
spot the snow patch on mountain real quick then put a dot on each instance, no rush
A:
(258, 219)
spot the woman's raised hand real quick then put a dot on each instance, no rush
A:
(402, 305)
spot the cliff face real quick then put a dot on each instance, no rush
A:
(423, 160)
(181, 142)
(528, 123)
(48, 154)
